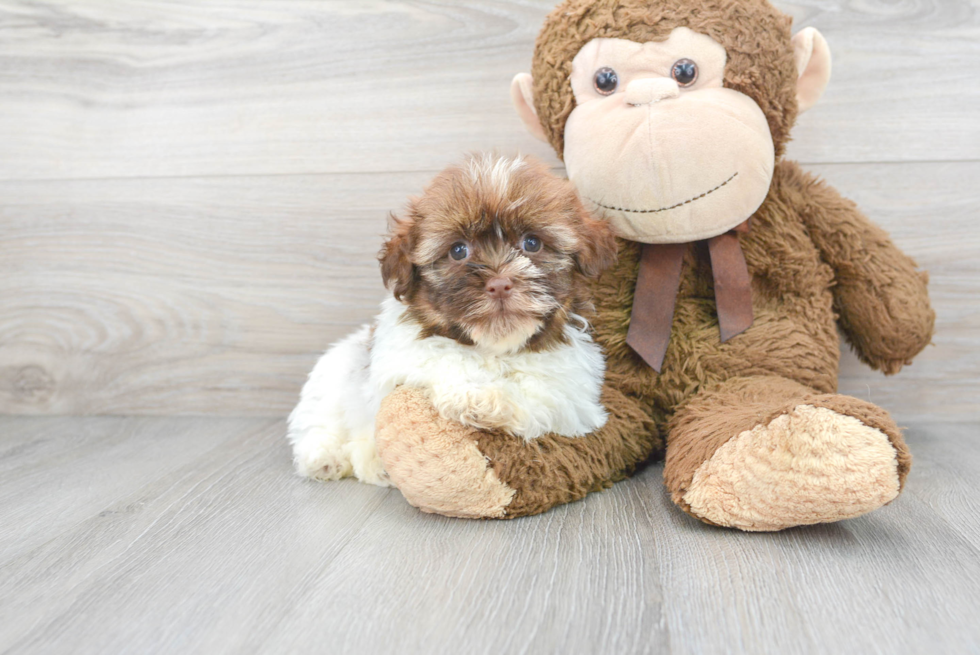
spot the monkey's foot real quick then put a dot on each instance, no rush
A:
(811, 465)
(792, 457)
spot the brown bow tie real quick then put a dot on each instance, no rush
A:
(658, 283)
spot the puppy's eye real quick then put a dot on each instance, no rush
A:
(459, 251)
(606, 80)
(684, 72)
(531, 244)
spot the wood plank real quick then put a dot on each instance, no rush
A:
(579, 579)
(205, 551)
(157, 88)
(53, 471)
(881, 104)
(216, 295)
(884, 582)
(232, 553)
(944, 473)
(176, 296)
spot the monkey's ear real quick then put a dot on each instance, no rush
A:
(522, 95)
(812, 66)
(598, 249)
(397, 271)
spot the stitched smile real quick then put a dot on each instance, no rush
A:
(663, 209)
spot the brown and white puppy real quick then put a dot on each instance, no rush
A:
(489, 276)
(496, 253)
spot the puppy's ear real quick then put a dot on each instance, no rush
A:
(598, 249)
(397, 270)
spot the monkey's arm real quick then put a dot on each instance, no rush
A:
(880, 295)
(444, 467)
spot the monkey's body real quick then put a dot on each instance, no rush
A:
(752, 430)
(711, 392)
(798, 290)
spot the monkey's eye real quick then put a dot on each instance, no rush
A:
(459, 251)
(684, 72)
(531, 244)
(606, 80)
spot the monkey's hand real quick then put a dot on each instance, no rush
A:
(880, 295)
(887, 324)
(436, 463)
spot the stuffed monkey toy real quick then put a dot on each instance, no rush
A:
(735, 270)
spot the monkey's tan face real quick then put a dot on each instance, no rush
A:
(658, 146)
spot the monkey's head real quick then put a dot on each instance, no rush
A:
(669, 114)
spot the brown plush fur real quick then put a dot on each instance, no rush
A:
(553, 469)
(816, 264)
(489, 206)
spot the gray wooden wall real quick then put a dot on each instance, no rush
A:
(192, 193)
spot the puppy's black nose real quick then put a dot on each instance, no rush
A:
(500, 287)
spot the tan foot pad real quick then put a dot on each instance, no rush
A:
(812, 465)
(434, 462)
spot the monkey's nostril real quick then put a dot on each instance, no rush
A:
(500, 287)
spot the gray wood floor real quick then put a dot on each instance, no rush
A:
(192, 535)
(191, 198)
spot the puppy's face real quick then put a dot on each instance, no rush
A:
(496, 253)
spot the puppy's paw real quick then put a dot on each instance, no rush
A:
(366, 462)
(321, 458)
(490, 408)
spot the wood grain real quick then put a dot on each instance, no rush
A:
(216, 295)
(161, 88)
(176, 295)
(224, 550)
(54, 472)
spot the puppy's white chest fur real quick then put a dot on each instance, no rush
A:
(528, 394)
